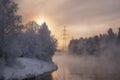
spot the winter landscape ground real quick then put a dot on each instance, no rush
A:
(27, 68)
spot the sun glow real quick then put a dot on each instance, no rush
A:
(52, 27)
(40, 21)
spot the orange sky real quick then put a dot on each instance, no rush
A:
(82, 18)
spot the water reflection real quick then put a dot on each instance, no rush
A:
(64, 73)
(63, 70)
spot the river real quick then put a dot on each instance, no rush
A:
(83, 68)
(67, 68)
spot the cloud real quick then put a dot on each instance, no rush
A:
(79, 11)
(73, 13)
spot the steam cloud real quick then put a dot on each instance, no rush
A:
(105, 67)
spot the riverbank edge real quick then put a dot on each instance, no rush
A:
(42, 75)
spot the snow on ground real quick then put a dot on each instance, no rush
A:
(28, 68)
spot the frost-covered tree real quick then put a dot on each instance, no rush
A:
(111, 35)
(27, 42)
(94, 45)
(32, 27)
(73, 46)
(119, 35)
(36, 42)
(48, 42)
(9, 27)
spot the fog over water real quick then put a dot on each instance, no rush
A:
(105, 67)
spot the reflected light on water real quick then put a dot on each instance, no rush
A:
(54, 75)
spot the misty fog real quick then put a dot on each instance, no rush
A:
(104, 67)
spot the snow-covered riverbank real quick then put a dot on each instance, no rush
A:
(28, 68)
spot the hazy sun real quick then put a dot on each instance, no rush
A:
(40, 21)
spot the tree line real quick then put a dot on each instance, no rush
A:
(96, 45)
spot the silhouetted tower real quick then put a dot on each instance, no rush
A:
(64, 38)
